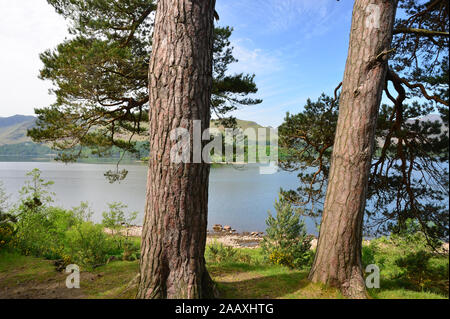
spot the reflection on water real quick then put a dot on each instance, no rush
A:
(237, 197)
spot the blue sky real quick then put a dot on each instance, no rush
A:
(296, 48)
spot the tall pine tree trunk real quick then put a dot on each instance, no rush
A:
(180, 78)
(338, 257)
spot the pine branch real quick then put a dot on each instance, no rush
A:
(421, 32)
(425, 94)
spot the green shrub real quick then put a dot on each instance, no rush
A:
(407, 262)
(89, 245)
(219, 253)
(33, 236)
(40, 227)
(59, 234)
(42, 233)
(368, 255)
(286, 242)
(415, 267)
(7, 233)
(131, 251)
(411, 237)
(7, 220)
(439, 274)
(116, 219)
(423, 272)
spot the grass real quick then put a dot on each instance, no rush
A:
(405, 294)
(17, 269)
(254, 279)
(396, 282)
(19, 273)
(269, 282)
(111, 281)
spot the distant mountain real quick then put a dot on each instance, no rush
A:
(15, 119)
(242, 124)
(430, 117)
(13, 129)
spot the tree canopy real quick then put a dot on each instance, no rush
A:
(100, 78)
(409, 172)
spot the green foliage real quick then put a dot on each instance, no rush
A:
(368, 253)
(409, 172)
(7, 220)
(42, 233)
(35, 194)
(420, 270)
(83, 212)
(116, 217)
(55, 233)
(116, 220)
(306, 139)
(7, 233)
(219, 253)
(286, 242)
(416, 266)
(33, 227)
(69, 235)
(101, 81)
(411, 236)
(26, 149)
(89, 245)
(401, 186)
(406, 262)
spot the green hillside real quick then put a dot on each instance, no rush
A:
(13, 129)
(243, 125)
(15, 119)
(26, 149)
(15, 142)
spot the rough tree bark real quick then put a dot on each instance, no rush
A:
(180, 77)
(338, 258)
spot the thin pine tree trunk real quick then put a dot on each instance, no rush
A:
(338, 257)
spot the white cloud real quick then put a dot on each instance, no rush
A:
(27, 28)
(311, 18)
(280, 15)
(256, 60)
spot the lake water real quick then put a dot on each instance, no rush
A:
(237, 197)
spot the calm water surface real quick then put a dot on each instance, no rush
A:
(237, 197)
